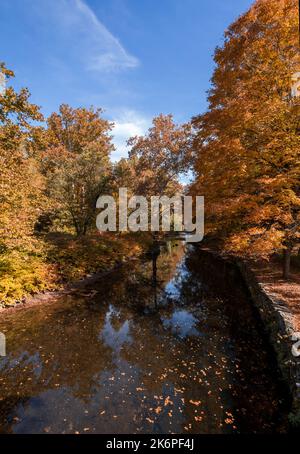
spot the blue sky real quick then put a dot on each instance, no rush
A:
(134, 58)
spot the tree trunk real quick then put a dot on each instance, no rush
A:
(287, 263)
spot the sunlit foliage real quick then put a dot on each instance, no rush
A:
(247, 145)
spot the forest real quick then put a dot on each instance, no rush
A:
(243, 153)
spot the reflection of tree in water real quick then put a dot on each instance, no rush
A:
(60, 345)
(141, 283)
(256, 371)
(101, 363)
(116, 330)
(222, 369)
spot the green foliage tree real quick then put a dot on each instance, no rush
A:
(76, 162)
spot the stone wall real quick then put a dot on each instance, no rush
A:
(277, 323)
(273, 316)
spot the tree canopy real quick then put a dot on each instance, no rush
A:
(247, 145)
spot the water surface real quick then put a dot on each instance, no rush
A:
(126, 357)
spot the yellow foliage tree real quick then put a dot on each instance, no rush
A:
(22, 200)
(21, 184)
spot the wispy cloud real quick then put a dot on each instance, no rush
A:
(86, 39)
(110, 55)
(127, 125)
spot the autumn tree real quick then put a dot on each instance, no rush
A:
(246, 148)
(21, 184)
(123, 174)
(161, 156)
(76, 162)
(22, 198)
(16, 113)
(159, 159)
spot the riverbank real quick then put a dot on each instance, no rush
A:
(60, 263)
(269, 275)
(273, 312)
(279, 325)
(79, 287)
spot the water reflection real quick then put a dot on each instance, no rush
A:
(182, 323)
(107, 362)
(115, 332)
(173, 288)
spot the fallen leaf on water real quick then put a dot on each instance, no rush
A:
(196, 402)
(229, 421)
(178, 390)
(168, 401)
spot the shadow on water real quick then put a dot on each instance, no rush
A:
(152, 348)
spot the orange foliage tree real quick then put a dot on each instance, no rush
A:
(247, 145)
(160, 157)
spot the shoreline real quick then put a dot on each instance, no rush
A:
(70, 288)
(274, 314)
